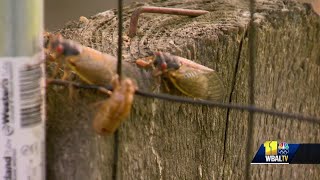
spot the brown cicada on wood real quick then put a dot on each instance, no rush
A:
(190, 78)
(90, 65)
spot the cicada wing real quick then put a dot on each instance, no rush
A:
(216, 89)
(197, 83)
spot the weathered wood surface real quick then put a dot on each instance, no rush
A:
(165, 140)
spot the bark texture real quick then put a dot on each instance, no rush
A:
(165, 140)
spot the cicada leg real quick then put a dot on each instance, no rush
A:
(105, 91)
(114, 82)
(66, 73)
(72, 93)
(166, 85)
(55, 71)
(145, 62)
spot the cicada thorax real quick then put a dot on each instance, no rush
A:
(93, 66)
(190, 78)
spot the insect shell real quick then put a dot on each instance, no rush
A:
(90, 65)
(190, 78)
(116, 108)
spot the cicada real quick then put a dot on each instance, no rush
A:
(90, 65)
(116, 108)
(188, 77)
(96, 68)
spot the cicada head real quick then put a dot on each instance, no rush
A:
(60, 46)
(164, 62)
(160, 62)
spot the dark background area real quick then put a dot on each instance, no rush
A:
(59, 12)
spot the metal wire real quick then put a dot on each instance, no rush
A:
(180, 99)
(251, 80)
(119, 72)
(120, 26)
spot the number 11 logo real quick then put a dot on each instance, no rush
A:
(271, 148)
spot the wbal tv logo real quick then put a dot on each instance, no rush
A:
(276, 152)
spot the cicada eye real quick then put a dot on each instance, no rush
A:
(163, 66)
(59, 49)
(173, 65)
(70, 48)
